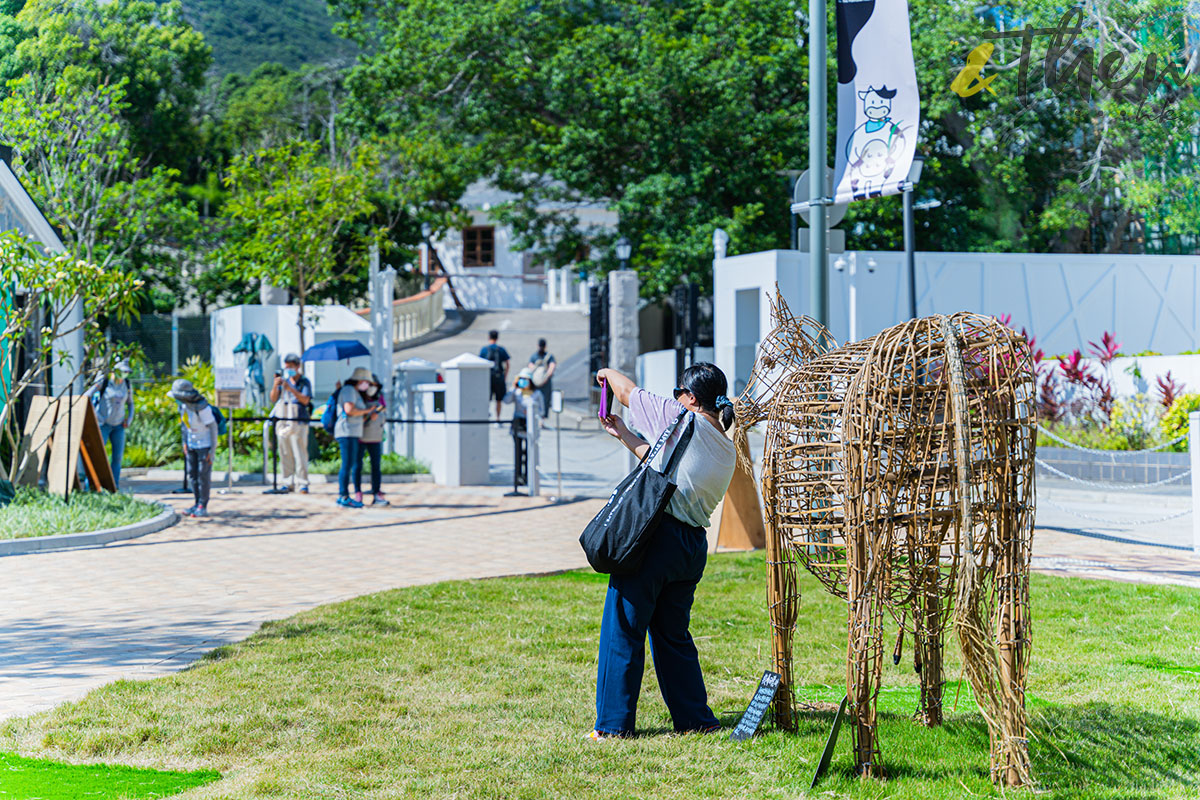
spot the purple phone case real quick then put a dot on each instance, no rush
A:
(605, 400)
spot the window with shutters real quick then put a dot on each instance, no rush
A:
(479, 246)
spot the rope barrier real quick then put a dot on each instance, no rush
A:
(1112, 453)
(1114, 486)
(1109, 521)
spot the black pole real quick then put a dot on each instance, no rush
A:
(274, 454)
(910, 256)
(70, 409)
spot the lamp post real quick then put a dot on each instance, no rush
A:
(818, 261)
(910, 235)
(624, 251)
(426, 230)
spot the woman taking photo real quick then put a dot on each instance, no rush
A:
(371, 444)
(658, 597)
(352, 413)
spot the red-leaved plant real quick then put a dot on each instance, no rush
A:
(1168, 390)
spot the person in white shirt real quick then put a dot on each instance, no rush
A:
(657, 598)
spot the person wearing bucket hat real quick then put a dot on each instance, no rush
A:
(352, 412)
(371, 444)
(199, 441)
(112, 397)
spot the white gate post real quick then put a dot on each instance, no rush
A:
(1194, 453)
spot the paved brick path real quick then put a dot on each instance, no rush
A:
(74, 620)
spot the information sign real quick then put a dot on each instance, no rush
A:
(228, 378)
(748, 724)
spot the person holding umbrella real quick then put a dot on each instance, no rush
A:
(352, 412)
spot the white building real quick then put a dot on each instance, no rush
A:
(485, 267)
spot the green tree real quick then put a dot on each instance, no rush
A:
(73, 148)
(292, 219)
(148, 46)
(677, 115)
(53, 286)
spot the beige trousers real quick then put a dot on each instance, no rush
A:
(293, 453)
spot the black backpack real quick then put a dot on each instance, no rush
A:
(496, 359)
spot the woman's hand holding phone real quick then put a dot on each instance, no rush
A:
(614, 426)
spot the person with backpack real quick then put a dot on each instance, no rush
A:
(200, 435)
(543, 364)
(352, 412)
(496, 354)
(112, 397)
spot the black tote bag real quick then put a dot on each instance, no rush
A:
(616, 539)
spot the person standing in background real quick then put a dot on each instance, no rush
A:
(372, 443)
(496, 354)
(199, 441)
(112, 397)
(348, 430)
(292, 395)
(542, 366)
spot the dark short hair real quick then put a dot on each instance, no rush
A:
(542, 343)
(706, 383)
(493, 335)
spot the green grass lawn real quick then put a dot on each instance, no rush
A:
(36, 779)
(485, 689)
(35, 513)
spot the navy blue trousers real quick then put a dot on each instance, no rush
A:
(657, 599)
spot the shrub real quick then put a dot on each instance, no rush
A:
(1175, 422)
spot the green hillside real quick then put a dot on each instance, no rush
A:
(246, 33)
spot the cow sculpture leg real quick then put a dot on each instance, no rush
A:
(929, 646)
(865, 655)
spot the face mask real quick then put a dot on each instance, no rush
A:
(362, 385)
(290, 373)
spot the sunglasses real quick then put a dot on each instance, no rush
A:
(678, 390)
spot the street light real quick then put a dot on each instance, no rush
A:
(624, 251)
(426, 230)
(910, 234)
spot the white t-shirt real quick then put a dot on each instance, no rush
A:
(199, 424)
(706, 467)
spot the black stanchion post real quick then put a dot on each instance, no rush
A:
(274, 459)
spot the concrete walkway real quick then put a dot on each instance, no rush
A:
(74, 620)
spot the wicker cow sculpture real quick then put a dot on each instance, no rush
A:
(899, 471)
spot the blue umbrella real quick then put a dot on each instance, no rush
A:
(335, 350)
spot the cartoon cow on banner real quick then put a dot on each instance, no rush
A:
(874, 147)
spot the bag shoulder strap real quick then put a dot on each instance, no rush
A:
(677, 453)
(662, 440)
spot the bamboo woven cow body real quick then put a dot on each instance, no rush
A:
(899, 471)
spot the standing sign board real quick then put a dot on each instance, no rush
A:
(229, 383)
(878, 106)
(228, 378)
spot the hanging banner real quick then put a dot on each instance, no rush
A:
(878, 106)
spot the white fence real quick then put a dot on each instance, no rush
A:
(418, 315)
(1149, 302)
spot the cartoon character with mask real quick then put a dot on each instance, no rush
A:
(872, 148)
